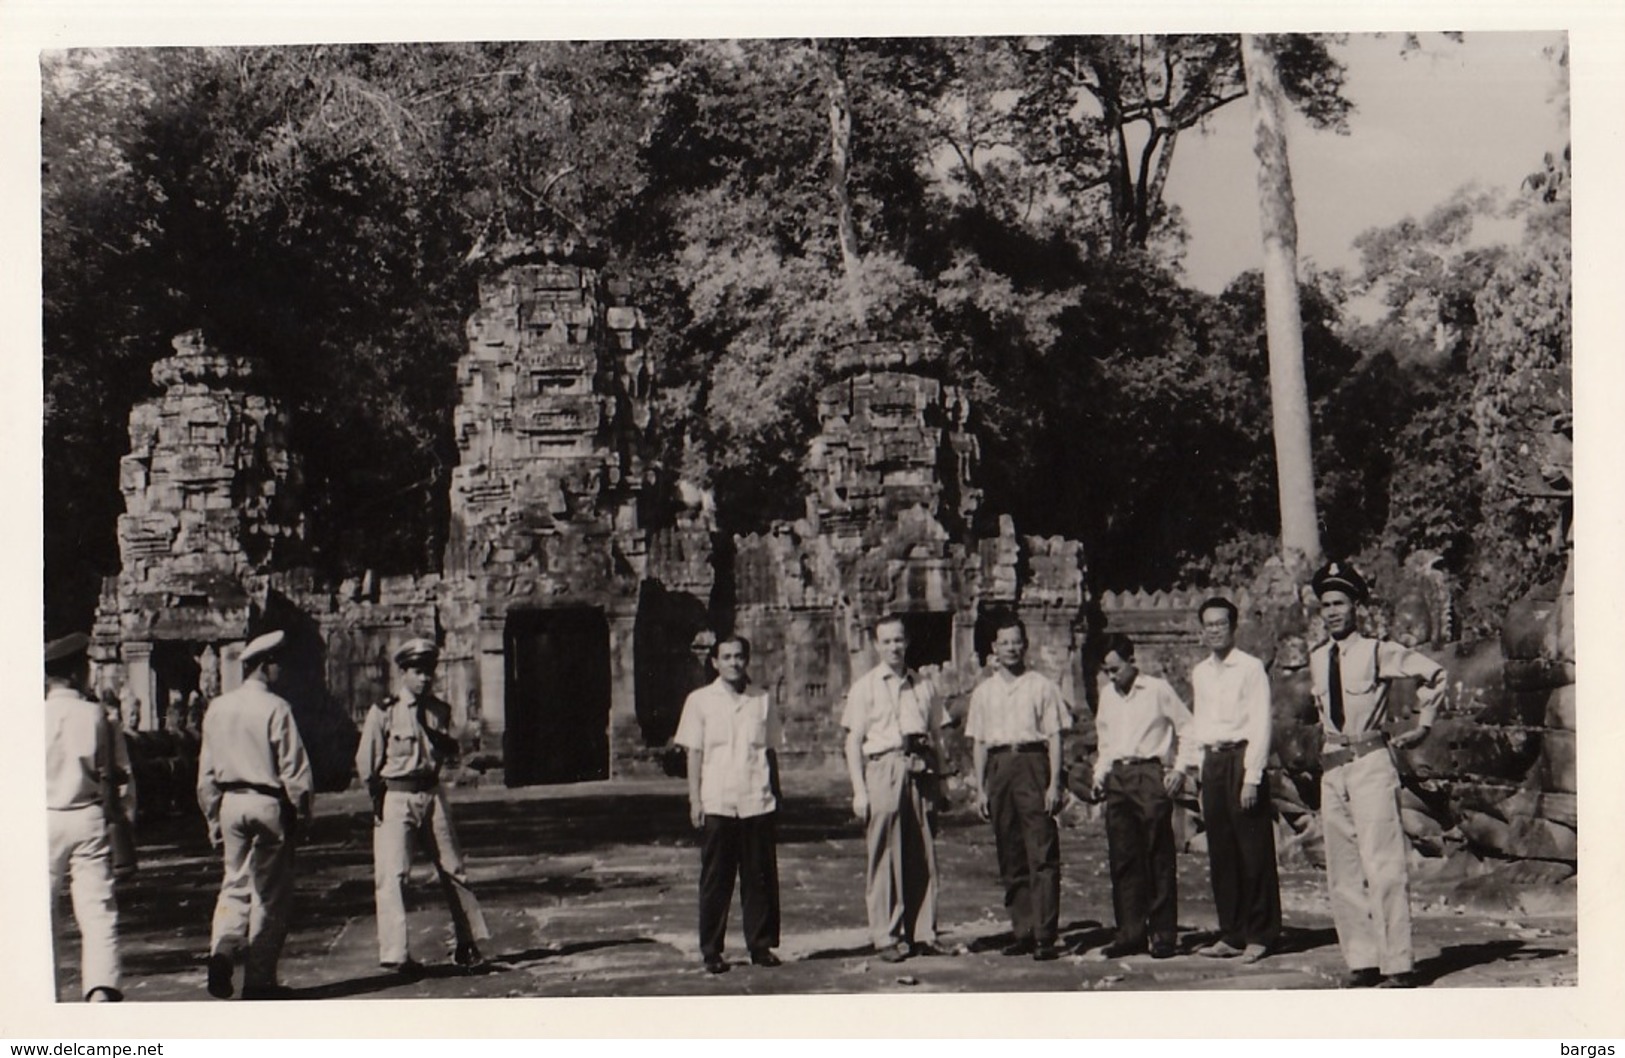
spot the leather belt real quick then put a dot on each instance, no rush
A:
(252, 787)
(1227, 747)
(1132, 762)
(1019, 747)
(884, 753)
(412, 783)
(1350, 749)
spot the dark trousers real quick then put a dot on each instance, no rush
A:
(747, 848)
(1028, 843)
(1240, 853)
(1140, 846)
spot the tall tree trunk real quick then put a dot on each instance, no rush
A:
(1289, 392)
(840, 146)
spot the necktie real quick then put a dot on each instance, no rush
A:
(1334, 688)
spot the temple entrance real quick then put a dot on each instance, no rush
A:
(558, 691)
(930, 639)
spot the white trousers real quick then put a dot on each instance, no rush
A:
(251, 914)
(425, 815)
(1365, 863)
(79, 852)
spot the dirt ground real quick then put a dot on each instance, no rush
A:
(590, 890)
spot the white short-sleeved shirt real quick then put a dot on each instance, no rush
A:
(733, 732)
(883, 707)
(1005, 712)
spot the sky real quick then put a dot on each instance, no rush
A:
(1479, 112)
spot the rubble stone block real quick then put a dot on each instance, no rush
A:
(1560, 708)
(1557, 763)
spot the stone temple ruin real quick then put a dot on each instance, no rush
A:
(577, 576)
(575, 579)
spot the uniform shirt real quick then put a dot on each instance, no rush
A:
(882, 707)
(394, 744)
(1005, 712)
(249, 736)
(1367, 666)
(1141, 723)
(79, 742)
(1231, 702)
(733, 733)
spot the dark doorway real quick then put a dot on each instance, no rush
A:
(667, 662)
(176, 676)
(557, 724)
(930, 639)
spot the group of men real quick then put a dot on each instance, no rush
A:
(255, 790)
(1226, 745)
(1149, 747)
(254, 787)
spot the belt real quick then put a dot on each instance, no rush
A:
(1019, 747)
(884, 753)
(412, 783)
(1351, 749)
(1227, 747)
(252, 787)
(1130, 762)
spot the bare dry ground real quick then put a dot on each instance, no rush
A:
(590, 890)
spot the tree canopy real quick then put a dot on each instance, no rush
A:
(326, 209)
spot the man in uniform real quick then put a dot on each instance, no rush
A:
(1359, 784)
(1015, 722)
(1140, 716)
(1231, 728)
(86, 760)
(732, 734)
(893, 722)
(405, 742)
(254, 787)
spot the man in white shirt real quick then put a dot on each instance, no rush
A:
(1015, 722)
(1231, 728)
(732, 734)
(893, 722)
(253, 785)
(406, 743)
(1359, 784)
(85, 761)
(1139, 718)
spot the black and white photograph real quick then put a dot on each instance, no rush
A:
(925, 508)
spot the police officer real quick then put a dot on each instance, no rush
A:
(405, 742)
(254, 786)
(1359, 783)
(85, 761)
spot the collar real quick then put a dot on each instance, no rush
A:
(1352, 639)
(887, 673)
(405, 697)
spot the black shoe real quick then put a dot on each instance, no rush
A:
(1400, 980)
(220, 976)
(1046, 952)
(765, 957)
(716, 964)
(104, 994)
(895, 952)
(1365, 977)
(1163, 949)
(1118, 949)
(1020, 946)
(267, 992)
(468, 956)
(925, 948)
(408, 968)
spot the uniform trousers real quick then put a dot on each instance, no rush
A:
(1140, 848)
(79, 853)
(901, 876)
(1240, 853)
(426, 815)
(251, 913)
(1365, 863)
(1027, 841)
(747, 848)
